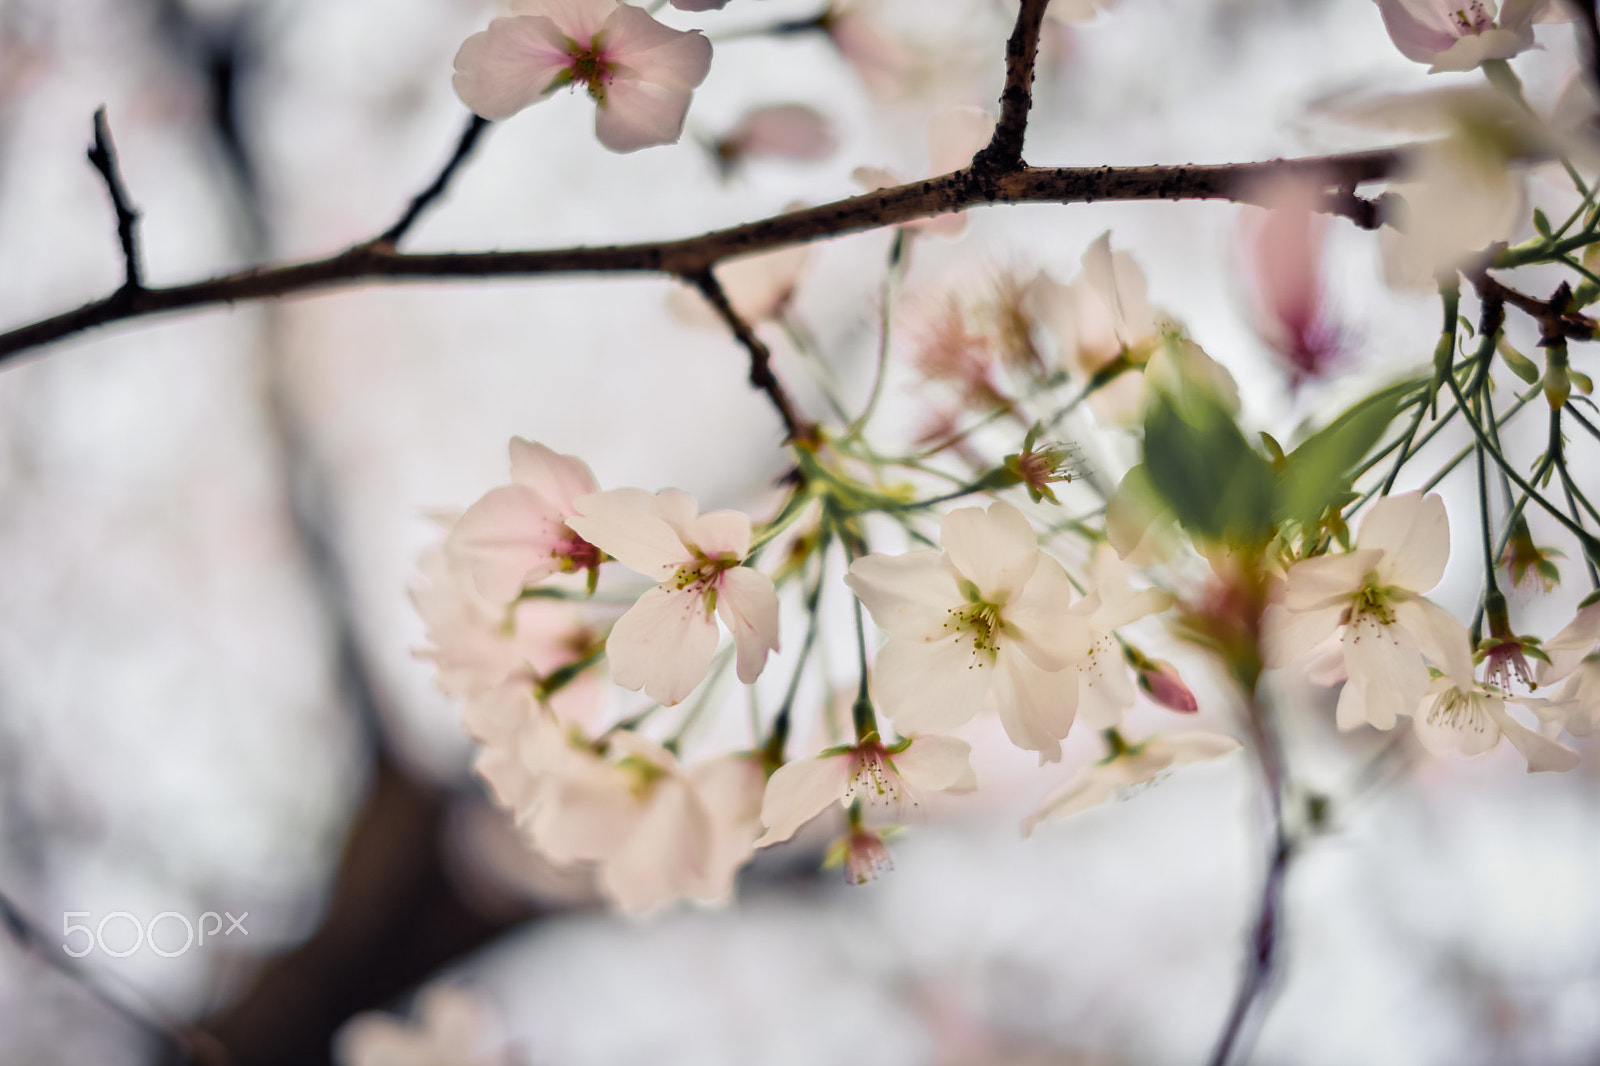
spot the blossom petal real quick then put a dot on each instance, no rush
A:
(508, 66)
(1416, 40)
(666, 856)
(1386, 670)
(1036, 706)
(930, 686)
(1327, 579)
(748, 606)
(558, 478)
(590, 814)
(1571, 646)
(1106, 688)
(1197, 747)
(1413, 532)
(1042, 622)
(731, 786)
(1087, 788)
(934, 763)
(628, 525)
(1441, 637)
(578, 19)
(663, 644)
(798, 791)
(646, 50)
(719, 534)
(997, 550)
(910, 594)
(1289, 636)
(1543, 754)
(508, 540)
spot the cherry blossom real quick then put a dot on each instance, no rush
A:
(887, 781)
(779, 131)
(657, 831)
(1124, 768)
(665, 642)
(863, 855)
(517, 535)
(453, 1029)
(1461, 34)
(1284, 253)
(955, 135)
(987, 622)
(1106, 681)
(1452, 719)
(1570, 647)
(1576, 707)
(640, 73)
(760, 288)
(1374, 593)
(1161, 681)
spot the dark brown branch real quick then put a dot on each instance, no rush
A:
(686, 258)
(1004, 151)
(761, 375)
(1555, 318)
(426, 198)
(103, 155)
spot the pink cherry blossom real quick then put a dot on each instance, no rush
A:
(1461, 34)
(1283, 259)
(665, 642)
(517, 535)
(780, 131)
(640, 73)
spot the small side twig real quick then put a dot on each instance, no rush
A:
(1004, 151)
(103, 156)
(425, 199)
(761, 375)
(1556, 319)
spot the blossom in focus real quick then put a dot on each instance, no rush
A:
(657, 831)
(517, 535)
(987, 622)
(1470, 719)
(886, 781)
(1452, 35)
(780, 131)
(1283, 257)
(1372, 596)
(1106, 680)
(1125, 767)
(640, 73)
(452, 1029)
(665, 642)
(955, 135)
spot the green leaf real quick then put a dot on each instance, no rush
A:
(1520, 365)
(1198, 461)
(1541, 222)
(1318, 473)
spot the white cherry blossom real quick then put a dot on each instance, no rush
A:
(1374, 594)
(640, 73)
(517, 535)
(987, 622)
(665, 642)
(452, 1029)
(1107, 685)
(1452, 35)
(1570, 647)
(1453, 719)
(1129, 766)
(1576, 706)
(888, 781)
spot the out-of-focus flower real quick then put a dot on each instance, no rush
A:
(1460, 34)
(1126, 766)
(640, 73)
(955, 135)
(1283, 257)
(1161, 681)
(1470, 720)
(987, 622)
(760, 288)
(1375, 593)
(1577, 706)
(781, 131)
(665, 642)
(452, 1029)
(886, 781)
(1076, 10)
(517, 535)
(1106, 683)
(883, 64)
(1570, 647)
(658, 831)
(863, 855)
(1529, 562)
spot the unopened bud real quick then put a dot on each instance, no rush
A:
(1162, 683)
(863, 855)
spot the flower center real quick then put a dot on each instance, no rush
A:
(1458, 711)
(703, 577)
(1472, 19)
(980, 622)
(588, 66)
(1375, 602)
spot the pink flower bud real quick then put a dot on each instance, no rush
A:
(1284, 251)
(1161, 682)
(866, 857)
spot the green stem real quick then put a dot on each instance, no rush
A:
(886, 315)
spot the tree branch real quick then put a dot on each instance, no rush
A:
(687, 258)
(103, 155)
(1004, 151)
(761, 375)
(424, 200)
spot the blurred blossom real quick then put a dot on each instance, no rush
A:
(1283, 258)
(883, 64)
(665, 642)
(1470, 720)
(886, 781)
(1125, 767)
(452, 1029)
(1453, 35)
(1077, 10)
(1576, 707)
(640, 73)
(1106, 683)
(760, 288)
(1570, 647)
(863, 855)
(782, 131)
(955, 135)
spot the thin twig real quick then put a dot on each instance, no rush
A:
(685, 258)
(1004, 150)
(425, 199)
(761, 375)
(103, 155)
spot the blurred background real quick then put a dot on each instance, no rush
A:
(209, 700)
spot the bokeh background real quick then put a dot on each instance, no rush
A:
(208, 694)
